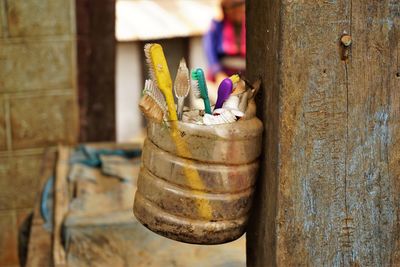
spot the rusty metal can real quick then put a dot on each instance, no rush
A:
(196, 182)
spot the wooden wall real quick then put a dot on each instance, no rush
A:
(329, 188)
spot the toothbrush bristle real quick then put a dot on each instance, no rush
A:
(149, 62)
(199, 76)
(195, 88)
(195, 83)
(182, 85)
(235, 78)
(151, 90)
(151, 109)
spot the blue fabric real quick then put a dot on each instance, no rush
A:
(46, 204)
(91, 156)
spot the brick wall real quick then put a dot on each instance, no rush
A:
(37, 102)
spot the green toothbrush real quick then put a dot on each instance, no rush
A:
(199, 87)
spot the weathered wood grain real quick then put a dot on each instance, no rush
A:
(39, 247)
(61, 198)
(373, 125)
(329, 189)
(263, 32)
(96, 46)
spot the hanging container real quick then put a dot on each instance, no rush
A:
(196, 182)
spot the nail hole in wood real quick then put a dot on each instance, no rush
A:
(398, 74)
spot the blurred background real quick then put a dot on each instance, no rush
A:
(72, 72)
(177, 25)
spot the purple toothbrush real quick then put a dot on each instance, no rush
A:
(224, 91)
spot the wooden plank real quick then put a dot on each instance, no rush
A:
(373, 154)
(312, 137)
(61, 202)
(130, 244)
(263, 30)
(329, 188)
(40, 239)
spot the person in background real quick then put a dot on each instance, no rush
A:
(225, 42)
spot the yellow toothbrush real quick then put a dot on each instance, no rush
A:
(160, 74)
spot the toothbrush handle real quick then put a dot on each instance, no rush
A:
(220, 101)
(172, 111)
(180, 107)
(169, 98)
(207, 106)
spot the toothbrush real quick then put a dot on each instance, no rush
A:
(199, 87)
(224, 90)
(152, 104)
(235, 78)
(150, 109)
(160, 75)
(181, 86)
(151, 90)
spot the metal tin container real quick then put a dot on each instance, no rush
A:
(196, 182)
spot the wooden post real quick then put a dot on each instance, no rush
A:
(96, 69)
(329, 188)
